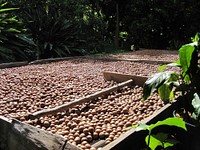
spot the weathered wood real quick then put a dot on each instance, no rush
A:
(15, 135)
(13, 64)
(49, 60)
(80, 101)
(118, 77)
(149, 61)
(130, 60)
(98, 144)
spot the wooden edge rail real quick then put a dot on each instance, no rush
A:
(130, 60)
(16, 135)
(13, 64)
(63, 107)
(119, 77)
(98, 144)
(50, 60)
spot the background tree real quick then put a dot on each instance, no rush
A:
(61, 28)
(15, 44)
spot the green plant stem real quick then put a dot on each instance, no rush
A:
(149, 138)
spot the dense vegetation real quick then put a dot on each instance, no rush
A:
(35, 29)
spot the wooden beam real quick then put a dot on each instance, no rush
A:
(118, 77)
(15, 135)
(98, 144)
(66, 106)
(13, 64)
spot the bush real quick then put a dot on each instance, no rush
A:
(14, 43)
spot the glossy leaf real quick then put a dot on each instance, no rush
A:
(172, 95)
(170, 122)
(154, 82)
(170, 142)
(160, 139)
(141, 126)
(173, 64)
(186, 78)
(162, 67)
(185, 55)
(164, 92)
(7, 9)
(196, 38)
(196, 105)
(153, 141)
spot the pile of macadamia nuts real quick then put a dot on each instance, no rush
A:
(31, 88)
(104, 118)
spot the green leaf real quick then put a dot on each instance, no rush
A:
(161, 68)
(3, 4)
(154, 142)
(25, 39)
(174, 77)
(141, 126)
(161, 136)
(160, 139)
(185, 55)
(171, 96)
(13, 30)
(174, 64)
(7, 9)
(170, 122)
(170, 142)
(164, 92)
(196, 105)
(196, 38)
(2, 37)
(154, 82)
(186, 78)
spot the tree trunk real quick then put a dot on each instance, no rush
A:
(116, 39)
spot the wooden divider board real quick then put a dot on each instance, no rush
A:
(13, 64)
(119, 77)
(122, 79)
(66, 106)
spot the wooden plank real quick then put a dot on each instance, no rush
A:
(98, 144)
(130, 60)
(15, 135)
(49, 60)
(80, 101)
(118, 77)
(13, 64)
(149, 61)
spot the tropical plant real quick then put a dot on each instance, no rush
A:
(53, 34)
(160, 138)
(14, 43)
(185, 84)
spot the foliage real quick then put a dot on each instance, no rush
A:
(148, 24)
(153, 24)
(161, 138)
(14, 43)
(52, 32)
(186, 82)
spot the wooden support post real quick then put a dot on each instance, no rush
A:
(66, 106)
